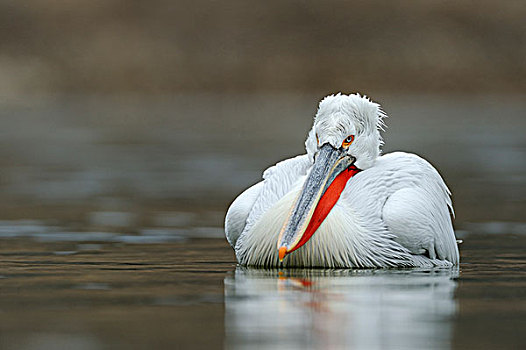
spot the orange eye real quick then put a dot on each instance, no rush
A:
(317, 139)
(347, 142)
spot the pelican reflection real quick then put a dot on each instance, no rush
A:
(359, 309)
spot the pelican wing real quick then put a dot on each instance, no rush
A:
(250, 205)
(419, 215)
(237, 214)
(420, 225)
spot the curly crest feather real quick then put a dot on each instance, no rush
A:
(341, 115)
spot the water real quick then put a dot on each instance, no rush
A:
(190, 294)
(111, 236)
(358, 309)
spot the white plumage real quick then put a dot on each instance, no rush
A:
(393, 213)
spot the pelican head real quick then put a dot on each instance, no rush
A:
(344, 139)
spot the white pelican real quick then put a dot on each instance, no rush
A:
(343, 205)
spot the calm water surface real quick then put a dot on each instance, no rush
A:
(111, 234)
(79, 295)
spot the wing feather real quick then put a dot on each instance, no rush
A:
(418, 211)
(250, 205)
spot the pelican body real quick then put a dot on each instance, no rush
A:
(343, 204)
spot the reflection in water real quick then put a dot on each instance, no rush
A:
(363, 309)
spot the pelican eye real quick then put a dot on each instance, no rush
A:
(347, 142)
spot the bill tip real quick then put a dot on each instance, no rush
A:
(282, 251)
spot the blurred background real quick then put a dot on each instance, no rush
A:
(132, 105)
(140, 121)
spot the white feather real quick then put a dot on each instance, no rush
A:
(394, 213)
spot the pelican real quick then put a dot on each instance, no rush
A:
(343, 204)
